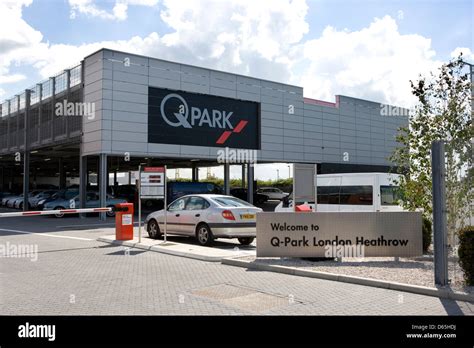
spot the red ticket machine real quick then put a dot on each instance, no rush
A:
(124, 221)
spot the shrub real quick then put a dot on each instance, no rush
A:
(427, 235)
(466, 253)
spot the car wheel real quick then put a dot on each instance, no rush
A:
(112, 212)
(204, 235)
(246, 240)
(59, 215)
(153, 229)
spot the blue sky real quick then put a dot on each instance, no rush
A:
(365, 49)
(420, 17)
(446, 23)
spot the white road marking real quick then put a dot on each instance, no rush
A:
(44, 234)
(85, 225)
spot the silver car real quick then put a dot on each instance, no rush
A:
(18, 203)
(92, 201)
(273, 193)
(206, 217)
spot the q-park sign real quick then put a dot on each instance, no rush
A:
(183, 118)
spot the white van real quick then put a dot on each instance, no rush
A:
(354, 192)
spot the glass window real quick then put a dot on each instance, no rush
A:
(22, 101)
(328, 194)
(75, 76)
(356, 195)
(5, 108)
(70, 194)
(178, 204)
(13, 104)
(196, 203)
(47, 89)
(390, 195)
(34, 97)
(231, 202)
(60, 83)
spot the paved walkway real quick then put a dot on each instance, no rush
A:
(75, 274)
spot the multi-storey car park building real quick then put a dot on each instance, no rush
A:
(127, 109)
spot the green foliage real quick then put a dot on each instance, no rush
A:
(443, 112)
(427, 234)
(466, 253)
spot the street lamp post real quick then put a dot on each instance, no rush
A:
(278, 174)
(289, 172)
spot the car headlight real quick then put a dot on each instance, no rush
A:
(42, 201)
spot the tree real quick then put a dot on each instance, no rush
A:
(443, 112)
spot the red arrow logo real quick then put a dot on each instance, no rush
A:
(224, 136)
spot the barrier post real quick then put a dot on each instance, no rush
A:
(140, 203)
(165, 204)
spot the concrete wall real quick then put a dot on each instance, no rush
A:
(312, 134)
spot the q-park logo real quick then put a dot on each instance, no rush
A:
(190, 117)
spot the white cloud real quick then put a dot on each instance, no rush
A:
(467, 54)
(374, 63)
(12, 78)
(258, 38)
(119, 11)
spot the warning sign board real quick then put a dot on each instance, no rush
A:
(152, 183)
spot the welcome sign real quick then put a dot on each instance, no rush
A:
(364, 234)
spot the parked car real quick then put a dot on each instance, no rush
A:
(11, 201)
(178, 189)
(18, 203)
(7, 197)
(92, 201)
(65, 194)
(241, 193)
(206, 217)
(40, 196)
(272, 193)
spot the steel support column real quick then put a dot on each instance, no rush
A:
(115, 179)
(195, 173)
(83, 181)
(227, 178)
(26, 156)
(2, 180)
(103, 182)
(250, 187)
(439, 213)
(62, 174)
(243, 175)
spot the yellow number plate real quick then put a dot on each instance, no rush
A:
(247, 216)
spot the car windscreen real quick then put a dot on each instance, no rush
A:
(231, 202)
(70, 194)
